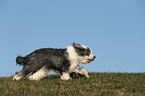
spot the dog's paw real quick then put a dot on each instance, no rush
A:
(17, 77)
(65, 76)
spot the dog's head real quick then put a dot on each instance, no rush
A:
(85, 54)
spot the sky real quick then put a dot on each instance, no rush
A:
(113, 29)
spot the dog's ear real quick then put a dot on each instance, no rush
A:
(76, 46)
(81, 50)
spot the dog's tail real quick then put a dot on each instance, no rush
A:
(21, 60)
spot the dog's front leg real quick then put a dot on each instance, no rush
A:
(65, 76)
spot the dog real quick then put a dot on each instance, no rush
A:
(63, 61)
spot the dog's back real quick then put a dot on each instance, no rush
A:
(44, 56)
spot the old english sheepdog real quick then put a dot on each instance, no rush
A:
(64, 61)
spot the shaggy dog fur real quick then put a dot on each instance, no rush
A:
(63, 61)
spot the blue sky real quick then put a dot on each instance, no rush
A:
(114, 29)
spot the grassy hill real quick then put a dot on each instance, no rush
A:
(99, 84)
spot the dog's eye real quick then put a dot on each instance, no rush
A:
(84, 52)
(88, 51)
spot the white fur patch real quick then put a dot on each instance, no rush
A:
(17, 77)
(41, 73)
(73, 57)
(65, 76)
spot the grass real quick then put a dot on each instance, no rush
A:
(99, 84)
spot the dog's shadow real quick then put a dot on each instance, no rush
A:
(56, 76)
(52, 77)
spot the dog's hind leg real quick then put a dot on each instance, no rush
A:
(18, 76)
(25, 71)
(41, 73)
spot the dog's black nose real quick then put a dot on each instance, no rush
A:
(94, 57)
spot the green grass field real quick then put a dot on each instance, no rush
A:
(99, 84)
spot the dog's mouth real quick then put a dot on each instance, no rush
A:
(87, 61)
